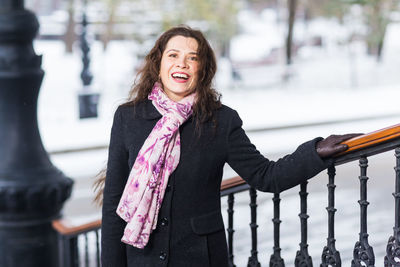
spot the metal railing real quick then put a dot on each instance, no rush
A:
(71, 238)
(360, 148)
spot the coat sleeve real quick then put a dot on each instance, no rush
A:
(113, 251)
(266, 175)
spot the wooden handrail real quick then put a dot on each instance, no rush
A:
(66, 227)
(371, 139)
(231, 182)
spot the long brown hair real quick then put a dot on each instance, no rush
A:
(208, 99)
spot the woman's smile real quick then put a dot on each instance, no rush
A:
(180, 77)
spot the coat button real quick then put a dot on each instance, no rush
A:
(164, 222)
(163, 256)
(168, 188)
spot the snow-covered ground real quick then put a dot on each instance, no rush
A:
(332, 82)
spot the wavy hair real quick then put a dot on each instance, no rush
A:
(208, 99)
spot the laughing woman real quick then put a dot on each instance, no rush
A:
(169, 143)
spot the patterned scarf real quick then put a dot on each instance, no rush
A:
(157, 159)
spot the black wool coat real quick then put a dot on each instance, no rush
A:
(190, 229)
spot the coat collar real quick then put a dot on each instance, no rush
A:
(148, 111)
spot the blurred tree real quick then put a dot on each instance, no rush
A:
(69, 35)
(216, 18)
(327, 8)
(108, 32)
(129, 12)
(262, 4)
(377, 14)
(377, 17)
(292, 6)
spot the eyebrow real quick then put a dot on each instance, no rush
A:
(175, 50)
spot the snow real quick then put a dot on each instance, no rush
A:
(332, 82)
(250, 44)
(300, 101)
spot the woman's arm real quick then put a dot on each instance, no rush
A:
(266, 175)
(113, 251)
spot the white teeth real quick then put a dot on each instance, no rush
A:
(180, 75)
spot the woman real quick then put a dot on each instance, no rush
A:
(168, 146)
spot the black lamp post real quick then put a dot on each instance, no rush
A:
(32, 190)
(88, 99)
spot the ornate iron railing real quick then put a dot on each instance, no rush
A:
(360, 148)
(74, 239)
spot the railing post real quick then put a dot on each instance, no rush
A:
(363, 253)
(32, 190)
(392, 258)
(231, 201)
(253, 259)
(74, 251)
(303, 259)
(330, 256)
(97, 248)
(86, 250)
(69, 254)
(276, 259)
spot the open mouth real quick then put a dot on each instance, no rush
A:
(180, 76)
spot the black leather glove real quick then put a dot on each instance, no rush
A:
(331, 145)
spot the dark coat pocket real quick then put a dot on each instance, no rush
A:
(207, 223)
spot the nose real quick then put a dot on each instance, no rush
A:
(181, 62)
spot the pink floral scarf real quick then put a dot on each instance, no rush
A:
(157, 159)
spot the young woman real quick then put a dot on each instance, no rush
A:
(169, 143)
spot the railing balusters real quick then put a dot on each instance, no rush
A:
(392, 258)
(330, 256)
(363, 253)
(276, 259)
(253, 259)
(303, 259)
(74, 252)
(231, 201)
(86, 250)
(97, 248)
(62, 251)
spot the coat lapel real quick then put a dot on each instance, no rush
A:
(148, 111)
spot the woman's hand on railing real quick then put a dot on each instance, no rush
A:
(332, 144)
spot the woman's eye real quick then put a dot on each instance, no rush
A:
(193, 58)
(172, 55)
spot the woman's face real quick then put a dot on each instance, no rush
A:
(179, 67)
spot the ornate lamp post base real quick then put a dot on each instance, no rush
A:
(32, 190)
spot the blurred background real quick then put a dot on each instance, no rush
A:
(293, 69)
